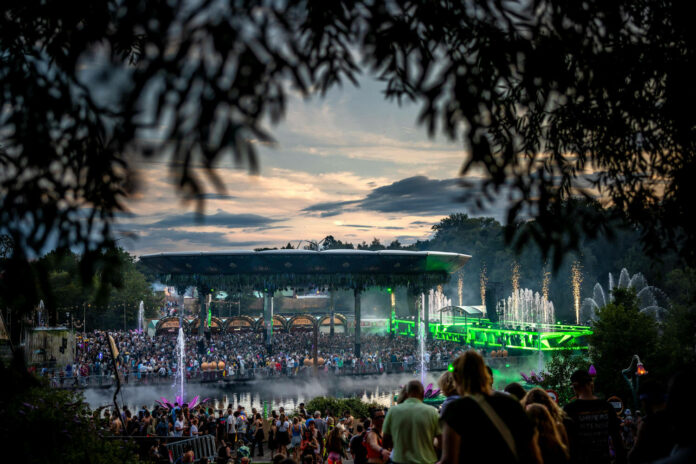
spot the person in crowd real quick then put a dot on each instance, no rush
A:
(231, 428)
(295, 438)
(320, 423)
(258, 435)
(335, 446)
(594, 424)
(411, 428)
(357, 447)
(448, 388)
(282, 434)
(516, 390)
(224, 455)
(681, 410)
(538, 395)
(481, 426)
(553, 450)
(376, 453)
(309, 446)
(654, 438)
(179, 425)
(273, 433)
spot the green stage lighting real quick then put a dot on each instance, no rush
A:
(450, 367)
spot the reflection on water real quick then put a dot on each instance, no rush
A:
(267, 394)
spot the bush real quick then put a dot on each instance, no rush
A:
(337, 406)
(46, 425)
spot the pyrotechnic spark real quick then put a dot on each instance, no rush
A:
(484, 284)
(460, 287)
(545, 284)
(576, 279)
(393, 300)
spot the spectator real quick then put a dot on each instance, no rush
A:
(376, 452)
(654, 439)
(553, 450)
(681, 410)
(412, 427)
(515, 390)
(448, 388)
(539, 396)
(357, 447)
(482, 427)
(595, 422)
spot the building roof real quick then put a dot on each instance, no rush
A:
(291, 268)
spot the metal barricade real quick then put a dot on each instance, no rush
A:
(203, 447)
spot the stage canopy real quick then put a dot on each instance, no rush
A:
(278, 269)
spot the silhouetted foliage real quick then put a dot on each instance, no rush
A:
(550, 99)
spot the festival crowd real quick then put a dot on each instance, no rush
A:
(474, 424)
(145, 358)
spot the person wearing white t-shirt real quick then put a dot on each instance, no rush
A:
(231, 427)
(179, 426)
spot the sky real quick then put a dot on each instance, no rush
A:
(351, 165)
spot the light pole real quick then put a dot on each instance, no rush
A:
(633, 383)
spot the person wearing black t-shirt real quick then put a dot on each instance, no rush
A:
(482, 426)
(357, 446)
(594, 423)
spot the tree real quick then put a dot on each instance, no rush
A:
(621, 331)
(550, 99)
(558, 370)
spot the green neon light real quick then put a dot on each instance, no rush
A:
(484, 333)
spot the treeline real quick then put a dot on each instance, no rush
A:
(494, 260)
(109, 301)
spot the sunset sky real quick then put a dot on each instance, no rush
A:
(351, 164)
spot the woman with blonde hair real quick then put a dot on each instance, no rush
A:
(553, 451)
(448, 387)
(538, 395)
(482, 426)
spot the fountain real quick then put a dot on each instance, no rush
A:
(647, 295)
(141, 317)
(421, 349)
(40, 314)
(180, 376)
(526, 307)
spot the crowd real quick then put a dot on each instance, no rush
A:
(241, 354)
(474, 424)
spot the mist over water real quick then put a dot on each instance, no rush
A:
(273, 393)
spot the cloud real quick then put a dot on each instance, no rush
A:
(219, 219)
(214, 196)
(416, 195)
(178, 240)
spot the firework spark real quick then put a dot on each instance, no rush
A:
(460, 288)
(484, 284)
(545, 284)
(576, 280)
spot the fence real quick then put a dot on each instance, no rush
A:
(203, 447)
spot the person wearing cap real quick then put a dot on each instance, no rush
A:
(594, 422)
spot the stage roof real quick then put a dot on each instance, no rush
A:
(286, 268)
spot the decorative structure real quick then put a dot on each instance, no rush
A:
(269, 271)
